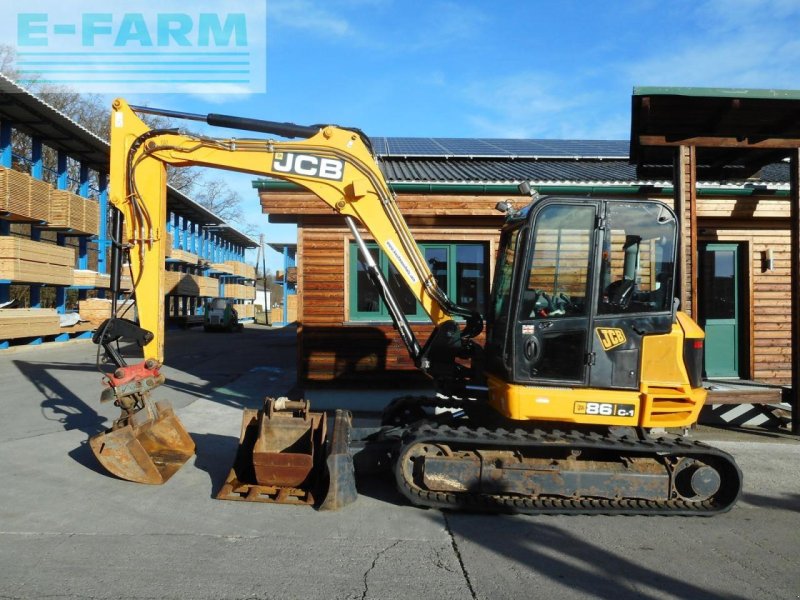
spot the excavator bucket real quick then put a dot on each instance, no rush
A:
(279, 458)
(148, 447)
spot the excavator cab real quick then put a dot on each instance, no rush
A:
(580, 285)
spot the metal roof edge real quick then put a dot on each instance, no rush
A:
(710, 92)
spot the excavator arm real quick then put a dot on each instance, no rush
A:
(335, 164)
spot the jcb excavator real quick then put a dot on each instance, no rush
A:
(586, 352)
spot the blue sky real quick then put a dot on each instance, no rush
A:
(557, 69)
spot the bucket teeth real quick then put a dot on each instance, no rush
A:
(149, 448)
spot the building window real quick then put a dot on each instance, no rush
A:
(460, 269)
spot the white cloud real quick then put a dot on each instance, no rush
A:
(530, 104)
(308, 15)
(748, 43)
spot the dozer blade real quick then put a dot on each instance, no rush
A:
(279, 458)
(341, 472)
(150, 447)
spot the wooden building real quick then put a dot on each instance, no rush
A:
(448, 189)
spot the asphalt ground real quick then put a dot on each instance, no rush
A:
(69, 530)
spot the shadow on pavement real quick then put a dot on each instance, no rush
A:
(59, 403)
(589, 569)
(215, 456)
(790, 502)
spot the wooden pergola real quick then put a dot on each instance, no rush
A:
(720, 134)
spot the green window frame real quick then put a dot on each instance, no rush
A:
(462, 270)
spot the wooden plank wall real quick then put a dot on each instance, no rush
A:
(330, 347)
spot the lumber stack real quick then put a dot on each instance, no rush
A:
(291, 308)
(245, 310)
(28, 322)
(208, 286)
(225, 267)
(184, 256)
(180, 284)
(24, 260)
(23, 196)
(74, 212)
(186, 284)
(237, 290)
(97, 310)
(84, 278)
(241, 269)
(39, 200)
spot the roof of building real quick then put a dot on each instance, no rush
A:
(733, 130)
(549, 171)
(35, 117)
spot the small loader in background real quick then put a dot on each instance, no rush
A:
(220, 315)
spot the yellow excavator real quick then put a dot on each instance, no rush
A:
(587, 357)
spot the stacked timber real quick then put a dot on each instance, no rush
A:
(97, 310)
(237, 290)
(86, 278)
(224, 267)
(28, 322)
(74, 212)
(184, 256)
(207, 286)
(24, 197)
(291, 308)
(180, 284)
(241, 269)
(186, 284)
(245, 311)
(25, 260)
(39, 200)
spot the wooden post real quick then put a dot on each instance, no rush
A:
(685, 198)
(794, 196)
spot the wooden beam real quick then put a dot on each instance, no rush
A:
(685, 199)
(794, 195)
(720, 142)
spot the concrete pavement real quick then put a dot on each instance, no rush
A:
(68, 530)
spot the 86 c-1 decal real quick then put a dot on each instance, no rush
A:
(604, 409)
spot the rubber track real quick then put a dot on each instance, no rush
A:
(475, 438)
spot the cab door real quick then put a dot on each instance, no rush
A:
(553, 315)
(635, 289)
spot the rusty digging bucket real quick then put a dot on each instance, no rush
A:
(281, 456)
(150, 446)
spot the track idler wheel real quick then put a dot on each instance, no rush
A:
(695, 480)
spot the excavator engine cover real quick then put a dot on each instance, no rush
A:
(280, 456)
(150, 446)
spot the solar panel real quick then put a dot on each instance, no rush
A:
(415, 146)
(470, 147)
(498, 147)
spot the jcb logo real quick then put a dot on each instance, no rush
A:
(308, 165)
(611, 337)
